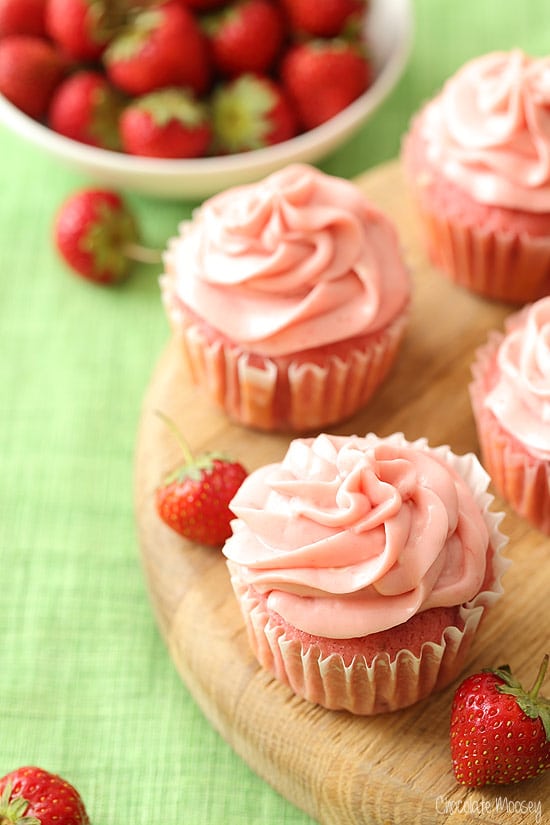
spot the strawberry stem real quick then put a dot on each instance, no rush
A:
(188, 455)
(142, 254)
(533, 693)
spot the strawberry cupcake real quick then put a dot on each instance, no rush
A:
(290, 298)
(477, 161)
(510, 395)
(363, 567)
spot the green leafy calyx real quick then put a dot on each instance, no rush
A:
(130, 42)
(214, 22)
(12, 811)
(172, 103)
(107, 18)
(532, 704)
(242, 113)
(106, 240)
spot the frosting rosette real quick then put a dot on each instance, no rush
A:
(520, 398)
(488, 130)
(298, 260)
(351, 535)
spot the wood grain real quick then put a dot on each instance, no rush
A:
(340, 769)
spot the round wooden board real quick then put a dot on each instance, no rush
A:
(340, 769)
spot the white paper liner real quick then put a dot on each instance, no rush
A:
(383, 685)
(521, 478)
(284, 393)
(514, 268)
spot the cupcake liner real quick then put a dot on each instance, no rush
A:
(498, 265)
(289, 393)
(522, 479)
(383, 684)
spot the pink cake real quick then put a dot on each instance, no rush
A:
(511, 402)
(289, 298)
(477, 160)
(363, 567)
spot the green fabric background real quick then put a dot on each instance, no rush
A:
(87, 688)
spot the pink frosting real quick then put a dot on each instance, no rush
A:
(296, 261)
(488, 130)
(520, 399)
(352, 535)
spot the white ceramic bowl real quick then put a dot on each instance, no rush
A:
(388, 35)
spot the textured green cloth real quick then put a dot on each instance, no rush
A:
(87, 687)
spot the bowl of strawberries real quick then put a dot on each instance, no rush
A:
(183, 98)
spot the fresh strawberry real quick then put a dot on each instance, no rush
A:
(85, 107)
(33, 796)
(250, 112)
(328, 18)
(194, 499)
(81, 28)
(30, 71)
(168, 123)
(322, 77)
(95, 232)
(162, 46)
(22, 17)
(500, 733)
(245, 36)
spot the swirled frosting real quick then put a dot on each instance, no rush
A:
(488, 130)
(348, 536)
(299, 260)
(520, 399)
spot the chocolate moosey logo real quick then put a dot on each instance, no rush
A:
(485, 807)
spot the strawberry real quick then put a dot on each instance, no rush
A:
(30, 70)
(82, 28)
(328, 18)
(168, 123)
(22, 17)
(33, 796)
(500, 733)
(95, 233)
(194, 499)
(322, 77)
(251, 112)
(85, 107)
(162, 46)
(246, 36)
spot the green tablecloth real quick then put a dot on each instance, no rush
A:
(87, 688)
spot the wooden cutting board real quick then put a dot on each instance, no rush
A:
(394, 768)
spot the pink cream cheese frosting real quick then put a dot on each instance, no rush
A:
(352, 535)
(520, 399)
(299, 260)
(488, 130)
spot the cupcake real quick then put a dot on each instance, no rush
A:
(510, 395)
(363, 567)
(289, 297)
(477, 161)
